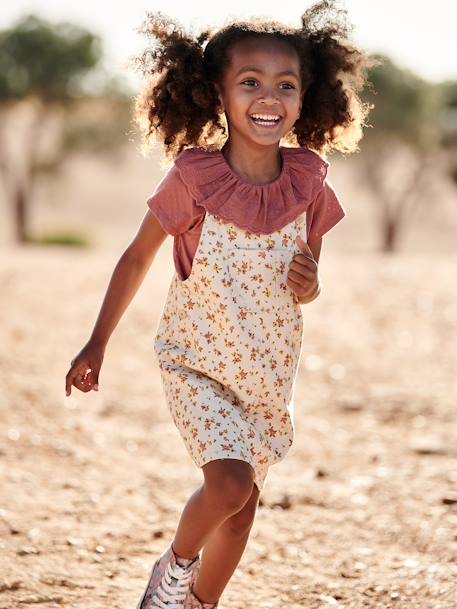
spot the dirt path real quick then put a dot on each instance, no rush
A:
(361, 514)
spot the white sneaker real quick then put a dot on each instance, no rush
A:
(169, 583)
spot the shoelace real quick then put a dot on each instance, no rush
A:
(173, 588)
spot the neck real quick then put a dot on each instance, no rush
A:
(253, 163)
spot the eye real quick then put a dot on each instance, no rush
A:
(251, 80)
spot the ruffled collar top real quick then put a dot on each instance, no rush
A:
(259, 208)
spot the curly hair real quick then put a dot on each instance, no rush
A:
(178, 106)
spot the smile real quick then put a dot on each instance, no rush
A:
(266, 120)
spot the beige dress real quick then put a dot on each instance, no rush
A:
(228, 345)
(229, 338)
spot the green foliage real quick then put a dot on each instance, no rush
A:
(448, 117)
(406, 106)
(64, 237)
(44, 59)
(96, 125)
(52, 67)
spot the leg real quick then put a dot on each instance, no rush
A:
(223, 551)
(226, 489)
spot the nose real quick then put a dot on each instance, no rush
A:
(268, 96)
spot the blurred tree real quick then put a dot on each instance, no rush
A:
(44, 92)
(448, 121)
(412, 142)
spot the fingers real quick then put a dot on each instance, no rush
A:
(302, 269)
(69, 380)
(92, 380)
(297, 284)
(305, 257)
(309, 292)
(306, 261)
(304, 280)
(80, 377)
(302, 277)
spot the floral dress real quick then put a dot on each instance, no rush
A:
(229, 339)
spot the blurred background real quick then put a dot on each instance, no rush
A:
(93, 484)
(66, 96)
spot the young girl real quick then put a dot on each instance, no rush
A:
(247, 215)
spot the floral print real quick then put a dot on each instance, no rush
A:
(228, 345)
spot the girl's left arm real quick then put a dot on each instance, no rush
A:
(303, 275)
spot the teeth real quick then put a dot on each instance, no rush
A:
(266, 117)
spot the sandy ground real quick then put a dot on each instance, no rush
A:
(362, 513)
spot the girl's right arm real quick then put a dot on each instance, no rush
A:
(125, 281)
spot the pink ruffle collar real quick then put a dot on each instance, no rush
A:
(259, 208)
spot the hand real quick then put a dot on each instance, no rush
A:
(85, 368)
(302, 277)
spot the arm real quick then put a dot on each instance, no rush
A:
(127, 276)
(323, 214)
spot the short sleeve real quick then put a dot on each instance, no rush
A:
(325, 211)
(172, 204)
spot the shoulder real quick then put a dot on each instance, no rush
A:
(171, 182)
(306, 170)
(200, 167)
(173, 203)
(175, 183)
(302, 158)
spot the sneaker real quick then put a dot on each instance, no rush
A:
(169, 583)
(192, 602)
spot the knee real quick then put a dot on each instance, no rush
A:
(240, 524)
(229, 483)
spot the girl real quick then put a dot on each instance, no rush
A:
(247, 215)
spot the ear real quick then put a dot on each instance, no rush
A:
(301, 103)
(220, 107)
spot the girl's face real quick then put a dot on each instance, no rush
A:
(262, 82)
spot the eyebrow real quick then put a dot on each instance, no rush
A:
(255, 69)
